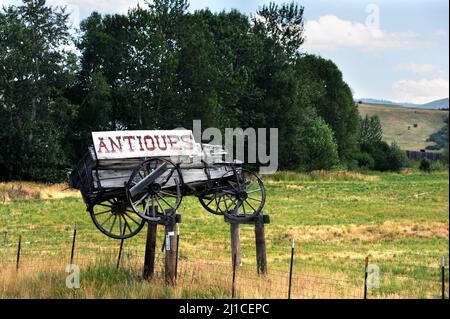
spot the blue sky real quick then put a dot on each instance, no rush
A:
(396, 50)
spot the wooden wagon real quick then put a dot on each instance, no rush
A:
(129, 177)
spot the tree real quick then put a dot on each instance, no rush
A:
(35, 73)
(370, 130)
(283, 24)
(333, 100)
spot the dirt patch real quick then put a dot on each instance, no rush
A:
(295, 187)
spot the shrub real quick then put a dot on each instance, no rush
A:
(445, 155)
(385, 157)
(379, 152)
(425, 165)
(396, 158)
(365, 160)
(318, 147)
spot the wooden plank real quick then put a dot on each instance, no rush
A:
(118, 178)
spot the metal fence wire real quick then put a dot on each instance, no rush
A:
(301, 277)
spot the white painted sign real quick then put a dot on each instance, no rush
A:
(133, 144)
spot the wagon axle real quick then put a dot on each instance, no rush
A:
(154, 188)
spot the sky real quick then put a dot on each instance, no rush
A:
(394, 50)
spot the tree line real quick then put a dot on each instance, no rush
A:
(159, 67)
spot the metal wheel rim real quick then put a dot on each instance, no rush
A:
(147, 205)
(236, 208)
(116, 225)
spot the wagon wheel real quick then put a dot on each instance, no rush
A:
(209, 202)
(155, 186)
(245, 195)
(114, 218)
(211, 197)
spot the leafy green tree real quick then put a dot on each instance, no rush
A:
(332, 99)
(284, 24)
(310, 146)
(35, 72)
(396, 158)
(370, 130)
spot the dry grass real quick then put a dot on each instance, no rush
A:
(321, 175)
(29, 190)
(196, 279)
(370, 232)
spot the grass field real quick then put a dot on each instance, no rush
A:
(400, 221)
(396, 120)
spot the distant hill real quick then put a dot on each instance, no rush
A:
(408, 127)
(434, 105)
(438, 104)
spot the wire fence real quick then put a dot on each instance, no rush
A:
(201, 268)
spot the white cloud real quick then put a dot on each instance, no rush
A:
(420, 91)
(332, 33)
(421, 69)
(441, 33)
(104, 6)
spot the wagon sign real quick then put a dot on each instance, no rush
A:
(135, 144)
(128, 178)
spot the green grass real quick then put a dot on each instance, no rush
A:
(337, 219)
(396, 120)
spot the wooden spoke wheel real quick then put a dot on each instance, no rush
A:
(209, 202)
(115, 218)
(155, 187)
(244, 195)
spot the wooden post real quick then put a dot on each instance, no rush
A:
(150, 249)
(291, 267)
(443, 277)
(235, 244)
(18, 252)
(120, 252)
(72, 252)
(233, 283)
(366, 265)
(177, 252)
(261, 254)
(170, 253)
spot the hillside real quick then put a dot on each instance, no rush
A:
(398, 124)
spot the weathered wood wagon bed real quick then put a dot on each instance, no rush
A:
(129, 177)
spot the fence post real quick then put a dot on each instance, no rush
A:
(170, 253)
(176, 257)
(261, 254)
(233, 285)
(73, 243)
(120, 252)
(443, 277)
(366, 264)
(150, 246)
(18, 252)
(290, 270)
(235, 243)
